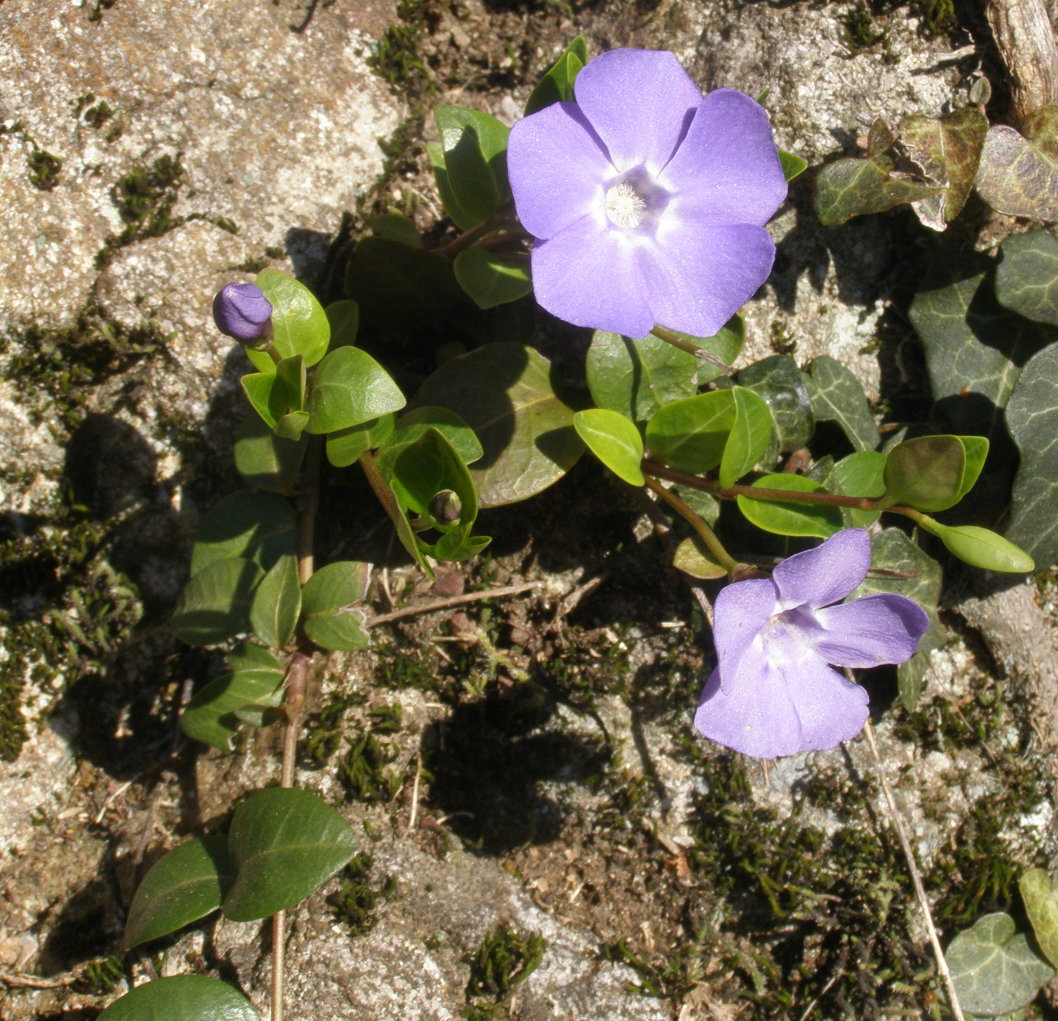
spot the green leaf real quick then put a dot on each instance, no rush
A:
(837, 396)
(350, 388)
(396, 228)
(993, 967)
(215, 604)
(778, 381)
(1040, 894)
(947, 149)
(492, 279)
(292, 425)
(925, 473)
(751, 433)
(344, 318)
(725, 345)
(690, 435)
(859, 474)
(331, 618)
(266, 461)
(276, 604)
(792, 165)
(1032, 417)
(345, 446)
(257, 526)
(853, 187)
(1027, 276)
(814, 519)
(298, 320)
(286, 392)
(693, 558)
(462, 219)
(614, 440)
(258, 389)
(286, 843)
(556, 86)
(254, 677)
(975, 449)
(182, 998)
(475, 155)
(981, 547)
(1018, 174)
(636, 377)
(181, 887)
(505, 393)
(414, 423)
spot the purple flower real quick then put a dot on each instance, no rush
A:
(646, 200)
(772, 692)
(243, 312)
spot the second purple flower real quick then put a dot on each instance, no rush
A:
(646, 200)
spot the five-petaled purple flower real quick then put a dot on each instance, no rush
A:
(772, 692)
(646, 200)
(243, 312)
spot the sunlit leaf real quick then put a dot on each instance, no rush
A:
(414, 422)
(981, 547)
(751, 434)
(396, 228)
(925, 473)
(690, 435)
(345, 446)
(853, 187)
(556, 86)
(298, 319)
(350, 388)
(792, 165)
(810, 519)
(1040, 895)
(636, 377)
(778, 381)
(266, 461)
(614, 440)
(1018, 173)
(182, 998)
(328, 601)
(475, 156)
(693, 558)
(277, 603)
(859, 474)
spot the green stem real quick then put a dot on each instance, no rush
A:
(699, 352)
(705, 533)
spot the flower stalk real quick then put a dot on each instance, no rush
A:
(704, 532)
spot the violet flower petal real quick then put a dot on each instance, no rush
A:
(739, 614)
(825, 574)
(640, 102)
(587, 275)
(883, 628)
(729, 133)
(697, 277)
(557, 167)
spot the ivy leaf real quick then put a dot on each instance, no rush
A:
(215, 604)
(182, 998)
(1027, 277)
(1032, 417)
(751, 435)
(299, 323)
(276, 603)
(993, 967)
(286, 842)
(614, 440)
(1040, 895)
(691, 435)
(837, 396)
(1018, 174)
(556, 86)
(257, 526)
(492, 279)
(475, 158)
(181, 887)
(853, 187)
(266, 461)
(812, 519)
(331, 618)
(505, 393)
(350, 388)
(778, 381)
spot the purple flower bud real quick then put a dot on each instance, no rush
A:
(243, 312)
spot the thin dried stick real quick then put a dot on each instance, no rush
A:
(916, 877)
(444, 604)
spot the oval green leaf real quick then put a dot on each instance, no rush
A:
(475, 159)
(344, 319)
(809, 519)
(751, 434)
(300, 325)
(556, 86)
(350, 388)
(777, 379)
(181, 887)
(346, 446)
(276, 604)
(331, 618)
(266, 461)
(215, 604)
(286, 842)
(981, 547)
(182, 998)
(614, 440)
(636, 377)
(417, 420)
(492, 279)
(1040, 894)
(859, 474)
(691, 435)
(256, 526)
(694, 559)
(925, 473)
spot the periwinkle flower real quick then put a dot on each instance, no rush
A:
(243, 312)
(772, 692)
(647, 201)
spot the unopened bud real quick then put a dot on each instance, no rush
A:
(243, 312)
(446, 507)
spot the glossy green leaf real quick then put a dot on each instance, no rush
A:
(182, 998)
(693, 558)
(414, 422)
(345, 446)
(344, 319)
(286, 843)
(277, 603)
(475, 155)
(292, 425)
(492, 279)
(329, 601)
(993, 967)
(215, 604)
(751, 434)
(254, 677)
(298, 320)
(350, 388)
(981, 547)
(462, 219)
(556, 86)
(1018, 173)
(257, 386)
(181, 887)
(1027, 276)
(777, 379)
(614, 440)
(925, 473)
(690, 435)
(792, 165)
(418, 471)
(285, 393)
(837, 396)
(1039, 892)
(257, 526)
(809, 519)
(505, 393)
(455, 546)
(853, 187)
(859, 474)
(975, 449)
(1032, 417)
(266, 461)
(636, 377)
(396, 228)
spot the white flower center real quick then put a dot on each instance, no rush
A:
(625, 207)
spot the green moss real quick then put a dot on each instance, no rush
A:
(938, 17)
(504, 958)
(144, 198)
(355, 901)
(44, 169)
(396, 58)
(783, 341)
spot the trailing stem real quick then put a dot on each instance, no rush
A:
(705, 533)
